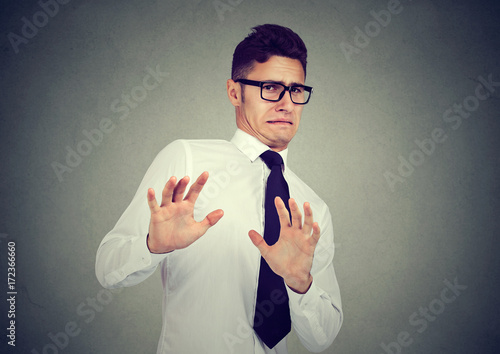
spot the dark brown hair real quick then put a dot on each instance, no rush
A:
(264, 42)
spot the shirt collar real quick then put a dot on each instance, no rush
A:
(252, 147)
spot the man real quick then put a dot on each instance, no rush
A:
(232, 284)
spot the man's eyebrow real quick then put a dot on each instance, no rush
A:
(281, 82)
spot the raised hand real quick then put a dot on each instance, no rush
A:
(172, 224)
(291, 257)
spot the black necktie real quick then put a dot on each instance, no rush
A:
(272, 314)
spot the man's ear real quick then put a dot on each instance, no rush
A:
(234, 92)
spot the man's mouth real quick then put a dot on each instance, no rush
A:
(280, 121)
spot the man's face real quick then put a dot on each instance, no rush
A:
(273, 123)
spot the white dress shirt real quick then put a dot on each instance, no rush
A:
(210, 287)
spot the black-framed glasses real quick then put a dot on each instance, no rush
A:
(274, 91)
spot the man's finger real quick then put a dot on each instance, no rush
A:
(259, 242)
(168, 190)
(283, 214)
(179, 189)
(196, 188)
(152, 203)
(211, 219)
(316, 233)
(308, 219)
(296, 215)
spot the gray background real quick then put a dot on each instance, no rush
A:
(396, 247)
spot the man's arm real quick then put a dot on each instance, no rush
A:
(126, 256)
(314, 297)
(317, 315)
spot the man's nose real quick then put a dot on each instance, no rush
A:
(285, 104)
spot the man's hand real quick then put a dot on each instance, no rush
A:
(291, 257)
(172, 224)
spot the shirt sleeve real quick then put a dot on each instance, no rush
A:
(123, 258)
(317, 314)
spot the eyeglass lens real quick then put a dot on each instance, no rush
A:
(274, 92)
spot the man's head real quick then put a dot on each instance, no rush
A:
(269, 53)
(264, 42)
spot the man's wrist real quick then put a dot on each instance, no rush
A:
(300, 287)
(152, 249)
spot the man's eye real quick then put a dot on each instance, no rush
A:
(270, 87)
(297, 89)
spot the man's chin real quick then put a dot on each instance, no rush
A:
(279, 143)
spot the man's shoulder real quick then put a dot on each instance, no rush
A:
(206, 143)
(185, 145)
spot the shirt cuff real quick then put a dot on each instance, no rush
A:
(140, 258)
(300, 302)
(143, 255)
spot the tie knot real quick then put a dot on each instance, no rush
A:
(271, 158)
